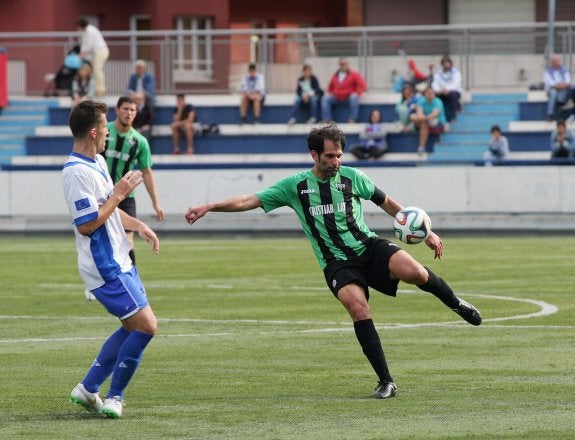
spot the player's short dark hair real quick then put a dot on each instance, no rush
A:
(252, 66)
(123, 99)
(495, 128)
(561, 123)
(317, 137)
(86, 116)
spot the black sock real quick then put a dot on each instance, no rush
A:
(438, 287)
(371, 345)
(132, 256)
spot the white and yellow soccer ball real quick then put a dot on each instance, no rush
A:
(412, 225)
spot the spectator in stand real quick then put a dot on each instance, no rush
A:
(83, 86)
(308, 93)
(498, 146)
(562, 142)
(253, 94)
(60, 83)
(94, 49)
(183, 121)
(429, 117)
(345, 88)
(447, 86)
(558, 85)
(145, 116)
(142, 81)
(407, 106)
(374, 143)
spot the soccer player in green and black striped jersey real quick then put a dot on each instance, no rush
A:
(125, 149)
(327, 201)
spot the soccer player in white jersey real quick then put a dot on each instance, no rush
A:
(103, 260)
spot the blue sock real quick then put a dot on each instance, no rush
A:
(128, 360)
(105, 361)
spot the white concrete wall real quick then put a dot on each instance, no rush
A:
(510, 198)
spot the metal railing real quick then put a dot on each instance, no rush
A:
(494, 56)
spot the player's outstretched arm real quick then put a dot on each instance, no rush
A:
(233, 204)
(391, 206)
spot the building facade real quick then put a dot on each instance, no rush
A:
(182, 41)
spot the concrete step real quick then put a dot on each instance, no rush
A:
(24, 121)
(25, 110)
(495, 97)
(457, 154)
(17, 129)
(11, 149)
(482, 108)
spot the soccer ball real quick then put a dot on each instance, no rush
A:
(412, 225)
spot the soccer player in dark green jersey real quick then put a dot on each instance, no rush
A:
(125, 149)
(327, 200)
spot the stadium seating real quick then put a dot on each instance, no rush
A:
(465, 141)
(272, 136)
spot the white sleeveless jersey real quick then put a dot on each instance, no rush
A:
(104, 254)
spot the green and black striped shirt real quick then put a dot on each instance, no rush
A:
(124, 151)
(329, 210)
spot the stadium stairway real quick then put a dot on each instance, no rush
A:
(17, 121)
(468, 136)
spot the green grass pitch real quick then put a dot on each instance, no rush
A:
(252, 345)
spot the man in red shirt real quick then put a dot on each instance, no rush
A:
(345, 88)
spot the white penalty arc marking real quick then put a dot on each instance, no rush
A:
(545, 309)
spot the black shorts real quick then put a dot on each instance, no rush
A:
(371, 269)
(128, 205)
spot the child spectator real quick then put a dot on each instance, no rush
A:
(374, 143)
(253, 94)
(498, 146)
(60, 83)
(562, 141)
(83, 85)
(308, 93)
(407, 106)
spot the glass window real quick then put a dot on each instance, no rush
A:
(193, 60)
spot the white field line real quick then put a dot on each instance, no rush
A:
(545, 309)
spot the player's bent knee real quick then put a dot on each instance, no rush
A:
(353, 299)
(404, 267)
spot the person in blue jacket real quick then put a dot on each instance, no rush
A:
(142, 81)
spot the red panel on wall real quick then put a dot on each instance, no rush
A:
(3, 77)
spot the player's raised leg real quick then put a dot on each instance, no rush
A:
(404, 267)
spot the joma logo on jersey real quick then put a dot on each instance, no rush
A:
(340, 186)
(307, 191)
(327, 209)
